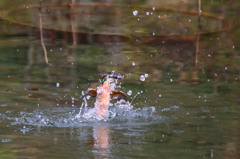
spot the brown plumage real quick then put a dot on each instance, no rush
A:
(113, 94)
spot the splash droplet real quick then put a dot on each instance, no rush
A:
(142, 78)
(133, 64)
(135, 13)
(57, 84)
(129, 92)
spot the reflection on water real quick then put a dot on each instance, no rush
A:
(101, 137)
(41, 35)
(181, 71)
(101, 141)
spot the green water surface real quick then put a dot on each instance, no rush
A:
(187, 106)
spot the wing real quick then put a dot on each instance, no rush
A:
(92, 92)
(118, 95)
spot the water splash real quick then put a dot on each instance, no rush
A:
(120, 113)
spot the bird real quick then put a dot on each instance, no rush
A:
(105, 93)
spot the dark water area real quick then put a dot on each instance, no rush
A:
(181, 67)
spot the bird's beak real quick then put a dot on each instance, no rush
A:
(115, 77)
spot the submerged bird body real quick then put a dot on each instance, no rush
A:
(104, 94)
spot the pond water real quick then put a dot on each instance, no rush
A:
(181, 71)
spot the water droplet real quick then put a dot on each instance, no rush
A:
(142, 78)
(189, 20)
(226, 68)
(82, 93)
(160, 95)
(159, 16)
(133, 64)
(171, 80)
(147, 13)
(153, 8)
(57, 84)
(129, 92)
(233, 46)
(211, 153)
(146, 75)
(135, 13)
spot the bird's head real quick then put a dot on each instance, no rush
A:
(109, 78)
